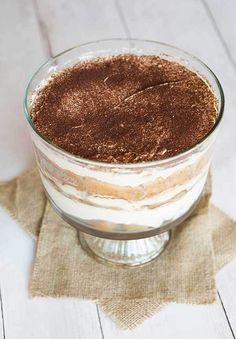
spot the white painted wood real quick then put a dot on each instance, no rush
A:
(226, 279)
(1, 323)
(224, 17)
(16, 247)
(185, 23)
(20, 55)
(175, 321)
(45, 318)
(73, 22)
(38, 317)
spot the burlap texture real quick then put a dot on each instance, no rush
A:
(184, 273)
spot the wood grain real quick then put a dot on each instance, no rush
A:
(2, 325)
(44, 317)
(73, 22)
(226, 285)
(21, 53)
(38, 318)
(223, 17)
(176, 321)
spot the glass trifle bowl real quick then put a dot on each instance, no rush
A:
(123, 212)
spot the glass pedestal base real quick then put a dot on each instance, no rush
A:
(124, 253)
(119, 252)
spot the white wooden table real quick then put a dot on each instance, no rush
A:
(30, 32)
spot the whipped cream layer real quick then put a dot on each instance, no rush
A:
(112, 174)
(144, 216)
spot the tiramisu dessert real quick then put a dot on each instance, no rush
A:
(124, 127)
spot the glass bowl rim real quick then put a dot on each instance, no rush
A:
(136, 165)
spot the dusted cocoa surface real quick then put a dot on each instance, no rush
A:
(125, 109)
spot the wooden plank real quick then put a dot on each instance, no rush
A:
(223, 21)
(2, 325)
(21, 53)
(175, 321)
(72, 22)
(39, 317)
(226, 285)
(44, 317)
(223, 18)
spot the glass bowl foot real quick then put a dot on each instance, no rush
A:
(124, 253)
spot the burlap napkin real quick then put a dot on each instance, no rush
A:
(184, 273)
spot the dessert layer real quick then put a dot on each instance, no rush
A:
(151, 184)
(125, 109)
(111, 218)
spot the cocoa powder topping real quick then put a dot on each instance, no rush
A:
(125, 109)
